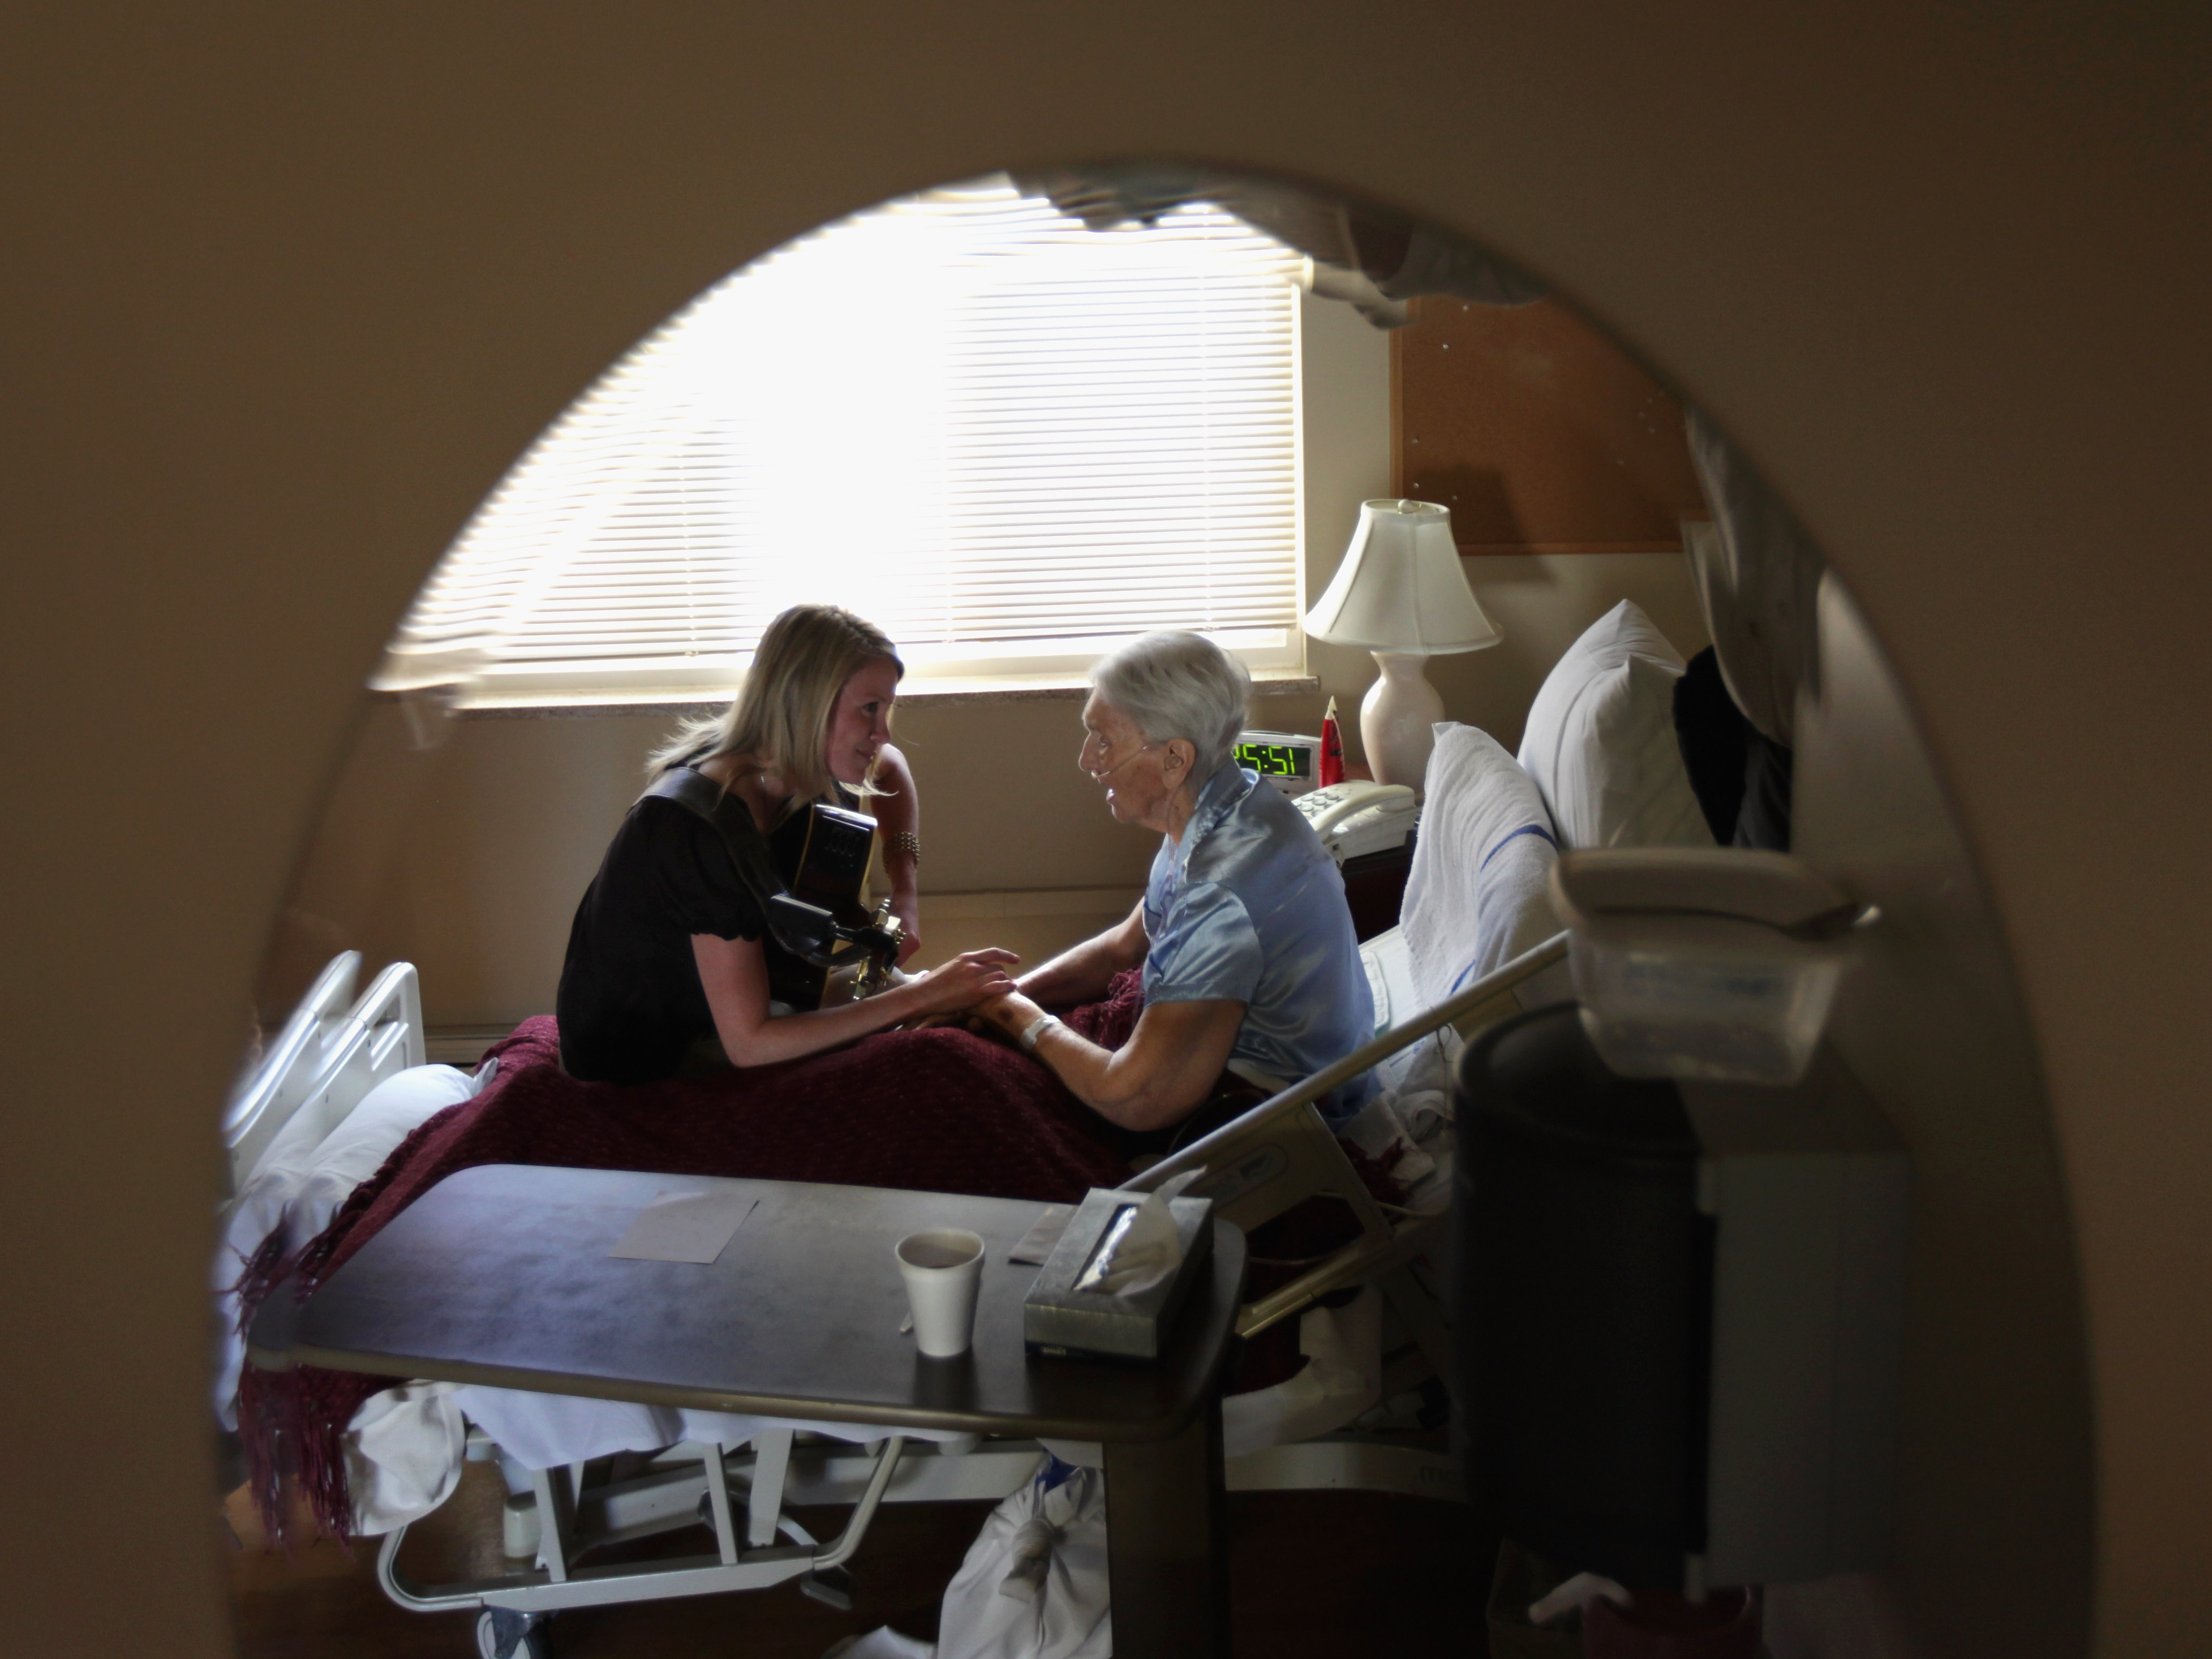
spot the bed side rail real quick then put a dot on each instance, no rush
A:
(382, 1037)
(264, 1103)
(1248, 1189)
(392, 1010)
(338, 1060)
(1282, 1153)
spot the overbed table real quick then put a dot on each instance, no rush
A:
(500, 1275)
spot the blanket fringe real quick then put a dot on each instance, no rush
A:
(292, 1423)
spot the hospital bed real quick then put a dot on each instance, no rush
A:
(741, 1477)
(1345, 1421)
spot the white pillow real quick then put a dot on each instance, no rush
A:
(1479, 892)
(371, 1132)
(349, 1154)
(1601, 744)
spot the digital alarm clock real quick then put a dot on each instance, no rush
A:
(1290, 761)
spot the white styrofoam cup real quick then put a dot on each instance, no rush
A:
(943, 1268)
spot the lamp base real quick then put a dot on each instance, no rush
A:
(1397, 719)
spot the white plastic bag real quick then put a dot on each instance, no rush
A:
(1033, 1584)
(403, 1453)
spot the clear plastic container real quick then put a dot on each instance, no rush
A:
(1710, 964)
(1704, 997)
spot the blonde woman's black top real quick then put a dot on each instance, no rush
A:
(630, 1002)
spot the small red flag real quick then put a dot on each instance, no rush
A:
(1332, 748)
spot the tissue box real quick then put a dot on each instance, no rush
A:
(1064, 1322)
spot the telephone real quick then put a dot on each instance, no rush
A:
(1353, 819)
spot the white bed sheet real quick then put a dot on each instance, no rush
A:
(548, 1431)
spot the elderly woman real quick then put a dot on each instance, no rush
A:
(1250, 961)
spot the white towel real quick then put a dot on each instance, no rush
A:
(1342, 1377)
(1479, 891)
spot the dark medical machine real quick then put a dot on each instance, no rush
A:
(1679, 1306)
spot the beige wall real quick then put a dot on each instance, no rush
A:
(288, 289)
(1539, 602)
(467, 857)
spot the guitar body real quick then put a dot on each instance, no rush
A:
(822, 854)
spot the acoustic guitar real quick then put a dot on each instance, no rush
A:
(822, 853)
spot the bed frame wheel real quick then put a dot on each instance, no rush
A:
(503, 1633)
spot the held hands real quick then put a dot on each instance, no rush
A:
(970, 978)
(1006, 1015)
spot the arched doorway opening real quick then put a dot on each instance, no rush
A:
(1546, 587)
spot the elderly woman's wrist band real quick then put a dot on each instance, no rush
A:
(1036, 1029)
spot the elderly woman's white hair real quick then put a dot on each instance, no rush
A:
(1178, 685)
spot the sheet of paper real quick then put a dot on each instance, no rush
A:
(1035, 1248)
(689, 1226)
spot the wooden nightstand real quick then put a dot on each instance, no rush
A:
(1374, 884)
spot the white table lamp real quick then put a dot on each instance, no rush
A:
(1400, 593)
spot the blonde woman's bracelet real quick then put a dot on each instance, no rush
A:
(905, 842)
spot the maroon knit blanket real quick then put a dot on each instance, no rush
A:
(939, 1110)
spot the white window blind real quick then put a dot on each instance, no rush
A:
(1007, 439)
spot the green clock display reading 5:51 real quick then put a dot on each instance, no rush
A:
(1276, 760)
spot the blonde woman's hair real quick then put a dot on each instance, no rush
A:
(782, 713)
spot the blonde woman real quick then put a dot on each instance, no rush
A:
(664, 955)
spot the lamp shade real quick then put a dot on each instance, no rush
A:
(1400, 587)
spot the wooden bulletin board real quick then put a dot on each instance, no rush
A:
(1539, 434)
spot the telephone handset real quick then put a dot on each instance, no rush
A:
(1360, 817)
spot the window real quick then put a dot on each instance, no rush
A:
(1008, 441)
